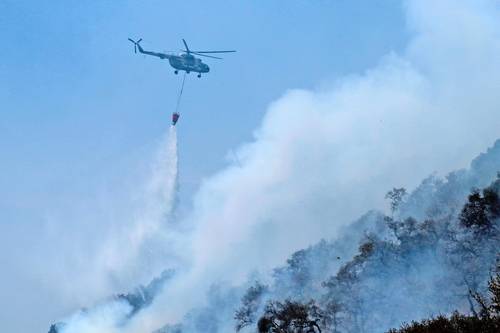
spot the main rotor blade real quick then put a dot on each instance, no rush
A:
(204, 55)
(185, 44)
(214, 51)
(200, 54)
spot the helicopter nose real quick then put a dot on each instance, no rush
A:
(207, 68)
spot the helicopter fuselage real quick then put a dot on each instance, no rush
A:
(185, 61)
(188, 63)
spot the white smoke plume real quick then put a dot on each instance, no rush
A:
(137, 247)
(102, 318)
(323, 157)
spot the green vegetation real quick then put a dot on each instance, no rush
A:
(441, 263)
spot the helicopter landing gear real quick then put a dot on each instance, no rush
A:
(176, 72)
(199, 75)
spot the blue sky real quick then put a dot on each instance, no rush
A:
(80, 110)
(81, 114)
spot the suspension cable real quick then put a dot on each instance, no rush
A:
(180, 94)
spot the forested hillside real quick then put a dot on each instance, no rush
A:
(432, 258)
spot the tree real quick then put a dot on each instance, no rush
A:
(343, 291)
(246, 314)
(487, 322)
(332, 318)
(480, 211)
(291, 317)
(457, 323)
(491, 309)
(396, 197)
(296, 271)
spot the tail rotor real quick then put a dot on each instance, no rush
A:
(136, 43)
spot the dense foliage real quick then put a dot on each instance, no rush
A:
(288, 316)
(407, 269)
(488, 321)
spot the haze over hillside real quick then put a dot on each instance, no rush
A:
(375, 274)
(270, 195)
(323, 158)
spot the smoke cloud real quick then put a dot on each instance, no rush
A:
(321, 158)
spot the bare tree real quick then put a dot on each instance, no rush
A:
(251, 301)
(396, 197)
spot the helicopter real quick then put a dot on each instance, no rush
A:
(184, 61)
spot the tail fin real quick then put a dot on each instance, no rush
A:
(136, 44)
